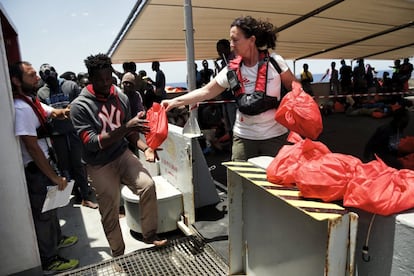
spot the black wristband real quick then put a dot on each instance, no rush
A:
(145, 149)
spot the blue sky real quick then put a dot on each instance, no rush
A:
(63, 33)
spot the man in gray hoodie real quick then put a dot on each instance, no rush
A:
(101, 116)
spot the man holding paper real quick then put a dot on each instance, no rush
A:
(31, 128)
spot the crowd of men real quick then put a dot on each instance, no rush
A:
(66, 134)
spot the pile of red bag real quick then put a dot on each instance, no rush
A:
(319, 173)
(322, 174)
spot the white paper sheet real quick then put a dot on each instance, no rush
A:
(261, 161)
(55, 198)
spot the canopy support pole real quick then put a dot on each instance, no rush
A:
(191, 126)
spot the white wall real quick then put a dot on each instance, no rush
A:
(18, 250)
(391, 243)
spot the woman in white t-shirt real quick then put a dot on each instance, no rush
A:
(253, 135)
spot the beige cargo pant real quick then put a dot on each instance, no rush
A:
(107, 179)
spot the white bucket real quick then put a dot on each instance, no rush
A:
(170, 206)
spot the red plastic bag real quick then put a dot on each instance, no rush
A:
(339, 107)
(282, 168)
(378, 114)
(407, 161)
(380, 189)
(299, 112)
(406, 145)
(158, 123)
(327, 177)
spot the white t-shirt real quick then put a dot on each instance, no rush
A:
(262, 126)
(26, 123)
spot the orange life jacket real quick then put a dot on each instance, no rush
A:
(258, 101)
(261, 78)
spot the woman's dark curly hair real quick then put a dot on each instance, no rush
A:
(97, 62)
(264, 31)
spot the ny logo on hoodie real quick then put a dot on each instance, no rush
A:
(110, 120)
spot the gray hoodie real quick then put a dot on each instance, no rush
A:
(93, 115)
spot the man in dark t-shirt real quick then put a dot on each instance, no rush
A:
(159, 82)
(206, 73)
(346, 78)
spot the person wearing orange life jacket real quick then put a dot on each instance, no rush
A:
(253, 134)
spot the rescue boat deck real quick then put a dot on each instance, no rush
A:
(341, 134)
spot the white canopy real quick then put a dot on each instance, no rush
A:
(317, 29)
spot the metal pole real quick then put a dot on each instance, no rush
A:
(294, 67)
(191, 126)
(189, 43)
